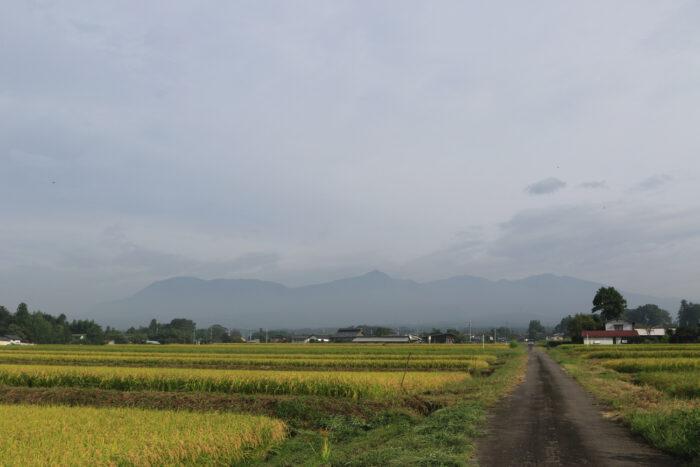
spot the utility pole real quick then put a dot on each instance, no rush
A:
(494, 336)
(470, 331)
(267, 336)
(482, 342)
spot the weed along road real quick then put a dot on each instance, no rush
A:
(550, 420)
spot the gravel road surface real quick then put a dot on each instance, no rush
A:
(550, 420)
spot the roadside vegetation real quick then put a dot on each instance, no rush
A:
(327, 404)
(652, 388)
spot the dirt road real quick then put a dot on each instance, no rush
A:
(550, 420)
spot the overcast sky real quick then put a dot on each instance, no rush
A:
(308, 141)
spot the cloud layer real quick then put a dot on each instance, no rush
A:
(305, 142)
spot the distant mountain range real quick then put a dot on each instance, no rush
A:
(373, 298)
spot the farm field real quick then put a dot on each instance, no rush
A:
(237, 403)
(654, 389)
(56, 435)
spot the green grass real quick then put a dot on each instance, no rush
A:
(674, 431)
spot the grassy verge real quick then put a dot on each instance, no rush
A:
(668, 423)
(403, 435)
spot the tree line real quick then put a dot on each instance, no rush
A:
(43, 328)
(38, 327)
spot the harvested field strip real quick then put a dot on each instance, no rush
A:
(677, 384)
(379, 385)
(116, 436)
(298, 410)
(635, 365)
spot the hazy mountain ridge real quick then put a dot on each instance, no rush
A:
(373, 298)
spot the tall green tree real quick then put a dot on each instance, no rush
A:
(22, 316)
(648, 315)
(535, 330)
(689, 314)
(563, 325)
(581, 322)
(5, 320)
(609, 302)
(94, 334)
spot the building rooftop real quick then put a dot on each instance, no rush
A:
(609, 333)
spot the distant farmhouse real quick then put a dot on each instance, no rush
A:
(407, 339)
(356, 335)
(619, 331)
(442, 338)
(347, 334)
(10, 340)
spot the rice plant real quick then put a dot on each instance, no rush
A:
(67, 436)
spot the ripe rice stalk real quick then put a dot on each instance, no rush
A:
(119, 436)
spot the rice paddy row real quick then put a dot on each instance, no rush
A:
(420, 362)
(672, 369)
(66, 436)
(356, 385)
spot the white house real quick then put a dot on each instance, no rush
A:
(617, 331)
(623, 325)
(652, 332)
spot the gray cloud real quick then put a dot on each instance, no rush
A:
(546, 186)
(152, 263)
(654, 183)
(620, 242)
(592, 185)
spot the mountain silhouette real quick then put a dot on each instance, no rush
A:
(372, 298)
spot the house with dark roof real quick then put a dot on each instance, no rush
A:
(10, 340)
(407, 339)
(347, 334)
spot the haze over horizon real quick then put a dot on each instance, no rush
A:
(303, 142)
